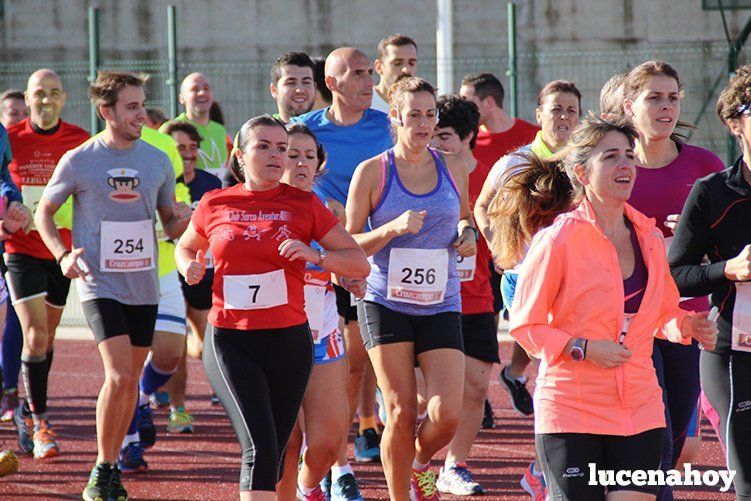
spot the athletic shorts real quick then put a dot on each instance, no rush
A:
(480, 334)
(495, 286)
(380, 325)
(108, 318)
(565, 459)
(344, 305)
(30, 277)
(198, 296)
(171, 313)
(329, 347)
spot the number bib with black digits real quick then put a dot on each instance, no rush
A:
(127, 246)
(418, 276)
(741, 340)
(255, 292)
(465, 268)
(314, 303)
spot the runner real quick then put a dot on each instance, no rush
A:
(714, 223)
(611, 97)
(113, 253)
(197, 97)
(350, 132)
(397, 55)
(259, 234)
(594, 341)
(12, 107)
(412, 307)
(292, 85)
(666, 170)
(155, 118)
(323, 93)
(38, 288)
(456, 133)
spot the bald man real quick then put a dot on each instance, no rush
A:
(38, 289)
(351, 132)
(197, 97)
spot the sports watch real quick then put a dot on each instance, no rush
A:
(579, 349)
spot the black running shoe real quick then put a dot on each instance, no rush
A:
(488, 418)
(520, 397)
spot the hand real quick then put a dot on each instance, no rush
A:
(295, 249)
(354, 285)
(607, 354)
(18, 214)
(738, 269)
(181, 211)
(671, 222)
(409, 222)
(465, 244)
(701, 328)
(195, 270)
(73, 266)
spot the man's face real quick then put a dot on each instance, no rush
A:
(355, 85)
(446, 139)
(188, 150)
(46, 98)
(126, 117)
(196, 95)
(12, 111)
(396, 62)
(468, 92)
(295, 91)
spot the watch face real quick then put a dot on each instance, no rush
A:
(577, 353)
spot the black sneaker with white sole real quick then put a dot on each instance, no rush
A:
(520, 397)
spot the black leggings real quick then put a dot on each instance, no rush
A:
(260, 377)
(725, 380)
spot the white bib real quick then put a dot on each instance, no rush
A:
(465, 267)
(314, 302)
(208, 260)
(255, 292)
(31, 197)
(417, 276)
(127, 246)
(741, 340)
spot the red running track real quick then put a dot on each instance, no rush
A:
(205, 465)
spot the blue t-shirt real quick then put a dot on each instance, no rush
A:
(346, 147)
(202, 183)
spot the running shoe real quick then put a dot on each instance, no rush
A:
(160, 399)
(382, 414)
(130, 459)
(488, 418)
(117, 490)
(534, 484)
(326, 484)
(98, 488)
(180, 421)
(8, 463)
(315, 495)
(423, 486)
(145, 423)
(367, 446)
(458, 480)
(215, 399)
(520, 397)
(45, 446)
(8, 404)
(24, 423)
(345, 489)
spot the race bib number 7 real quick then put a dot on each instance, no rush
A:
(255, 292)
(418, 276)
(127, 246)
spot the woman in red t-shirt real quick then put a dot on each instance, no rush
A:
(259, 354)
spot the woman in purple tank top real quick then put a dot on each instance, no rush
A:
(415, 200)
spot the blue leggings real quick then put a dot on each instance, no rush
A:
(677, 368)
(11, 352)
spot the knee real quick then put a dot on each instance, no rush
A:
(36, 341)
(402, 418)
(475, 390)
(167, 362)
(445, 417)
(323, 450)
(121, 380)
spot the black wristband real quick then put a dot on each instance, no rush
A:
(60, 259)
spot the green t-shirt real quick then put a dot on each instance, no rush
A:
(212, 155)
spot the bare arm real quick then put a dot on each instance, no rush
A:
(481, 209)
(189, 255)
(466, 242)
(69, 260)
(174, 219)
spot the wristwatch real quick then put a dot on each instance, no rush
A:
(474, 230)
(579, 349)
(321, 256)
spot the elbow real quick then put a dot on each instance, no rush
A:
(362, 269)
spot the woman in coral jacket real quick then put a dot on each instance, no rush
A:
(595, 289)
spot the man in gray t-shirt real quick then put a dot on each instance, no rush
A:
(117, 182)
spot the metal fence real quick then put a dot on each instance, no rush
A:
(242, 87)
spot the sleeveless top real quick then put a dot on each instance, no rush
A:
(421, 261)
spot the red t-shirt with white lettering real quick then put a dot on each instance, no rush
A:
(477, 297)
(490, 147)
(35, 156)
(244, 229)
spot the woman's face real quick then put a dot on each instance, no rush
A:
(419, 117)
(655, 110)
(610, 172)
(558, 116)
(302, 162)
(265, 156)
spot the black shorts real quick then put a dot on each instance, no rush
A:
(565, 459)
(198, 296)
(480, 334)
(344, 305)
(29, 277)
(380, 325)
(108, 318)
(495, 286)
